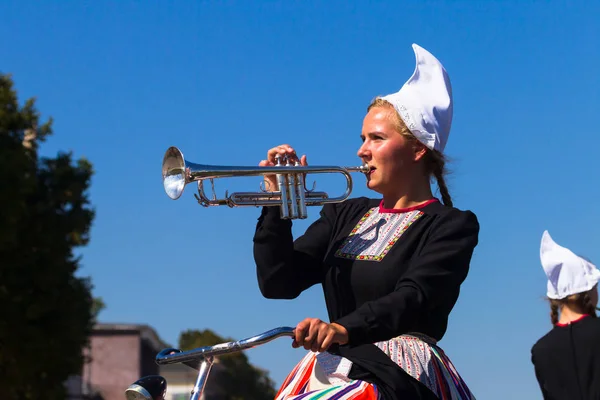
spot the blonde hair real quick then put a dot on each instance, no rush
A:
(435, 162)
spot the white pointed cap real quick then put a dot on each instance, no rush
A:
(567, 272)
(425, 101)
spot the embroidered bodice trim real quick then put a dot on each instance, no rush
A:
(376, 233)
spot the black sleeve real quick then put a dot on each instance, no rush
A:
(285, 267)
(432, 281)
(538, 377)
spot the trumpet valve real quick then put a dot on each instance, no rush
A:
(302, 212)
(281, 181)
(291, 189)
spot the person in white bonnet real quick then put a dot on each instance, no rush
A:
(567, 359)
(390, 267)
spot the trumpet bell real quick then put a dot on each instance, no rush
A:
(173, 173)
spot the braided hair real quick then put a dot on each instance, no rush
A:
(581, 302)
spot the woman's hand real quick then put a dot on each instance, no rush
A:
(316, 335)
(284, 149)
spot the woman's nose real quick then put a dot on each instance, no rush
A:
(362, 150)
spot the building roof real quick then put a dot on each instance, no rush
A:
(146, 332)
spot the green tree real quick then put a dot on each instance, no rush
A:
(240, 380)
(97, 306)
(46, 311)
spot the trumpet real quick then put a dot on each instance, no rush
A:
(292, 196)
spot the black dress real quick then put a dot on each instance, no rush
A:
(384, 273)
(567, 361)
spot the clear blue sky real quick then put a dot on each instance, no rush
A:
(225, 81)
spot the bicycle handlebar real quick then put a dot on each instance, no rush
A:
(174, 356)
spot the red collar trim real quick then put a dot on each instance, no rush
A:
(572, 322)
(407, 209)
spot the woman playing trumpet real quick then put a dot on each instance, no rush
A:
(390, 267)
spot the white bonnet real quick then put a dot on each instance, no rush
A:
(567, 272)
(425, 101)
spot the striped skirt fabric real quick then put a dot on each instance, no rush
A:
(297, 385)
(416, 354)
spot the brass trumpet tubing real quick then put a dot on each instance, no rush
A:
(178, 166)
(248, 199)
(272, 198)
(175, 164)
(205, 201)
(239, 199)
(196, 172)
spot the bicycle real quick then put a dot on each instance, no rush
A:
(154, 387)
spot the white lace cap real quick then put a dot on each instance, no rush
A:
(567, 272)
(425, 101)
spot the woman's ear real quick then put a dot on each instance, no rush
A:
(420, 151)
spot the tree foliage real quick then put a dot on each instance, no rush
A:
(239, 380)
(47, 311)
